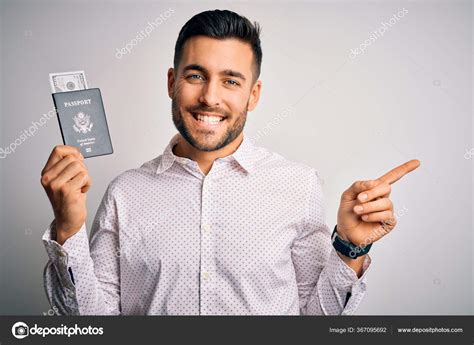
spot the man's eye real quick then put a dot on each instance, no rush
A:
(194, 77)
(232, 82)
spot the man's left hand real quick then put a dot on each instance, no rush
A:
(366, 213)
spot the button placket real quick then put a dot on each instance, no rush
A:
(207, 250)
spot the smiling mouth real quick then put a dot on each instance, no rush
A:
(208, 120)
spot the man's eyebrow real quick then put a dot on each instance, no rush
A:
(227, 72)
(232, 73)
(195, 67)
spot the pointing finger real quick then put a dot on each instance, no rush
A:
(400, 171)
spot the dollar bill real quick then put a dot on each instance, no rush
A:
(67, 81)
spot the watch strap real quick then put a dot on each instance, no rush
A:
(346, 248)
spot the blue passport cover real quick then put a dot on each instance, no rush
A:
(83, 122)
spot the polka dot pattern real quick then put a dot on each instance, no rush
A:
(248, 238)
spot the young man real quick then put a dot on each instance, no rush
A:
(214, 225)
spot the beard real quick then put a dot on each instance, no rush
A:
(233, 130)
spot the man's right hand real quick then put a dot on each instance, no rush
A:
(66, 181)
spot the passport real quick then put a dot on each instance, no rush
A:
(82, 121)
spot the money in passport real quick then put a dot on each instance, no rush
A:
(67, 81)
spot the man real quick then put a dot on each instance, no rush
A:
(214, 225)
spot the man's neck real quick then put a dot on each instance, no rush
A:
(205, 159)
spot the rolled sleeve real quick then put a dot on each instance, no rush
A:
(350, 288)
(341, 275)
(59, 271)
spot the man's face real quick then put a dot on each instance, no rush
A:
(212, 90)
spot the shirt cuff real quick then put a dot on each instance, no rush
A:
(71, 253)
(342, 276)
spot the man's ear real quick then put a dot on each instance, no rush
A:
(171, 81)
(254, 95)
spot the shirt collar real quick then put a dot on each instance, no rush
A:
(244, 155)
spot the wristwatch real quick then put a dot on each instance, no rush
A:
(346, 248)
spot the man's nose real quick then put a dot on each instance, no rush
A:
(210, 94)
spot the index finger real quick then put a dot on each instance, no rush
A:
(400, 171)
(58, 153)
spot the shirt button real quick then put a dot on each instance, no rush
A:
(62, 253)
(206, 275)
(206, 228)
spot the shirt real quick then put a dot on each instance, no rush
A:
(248, 238)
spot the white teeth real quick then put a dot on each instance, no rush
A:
(209, 119)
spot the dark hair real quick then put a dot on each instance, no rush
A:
(221, 24)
